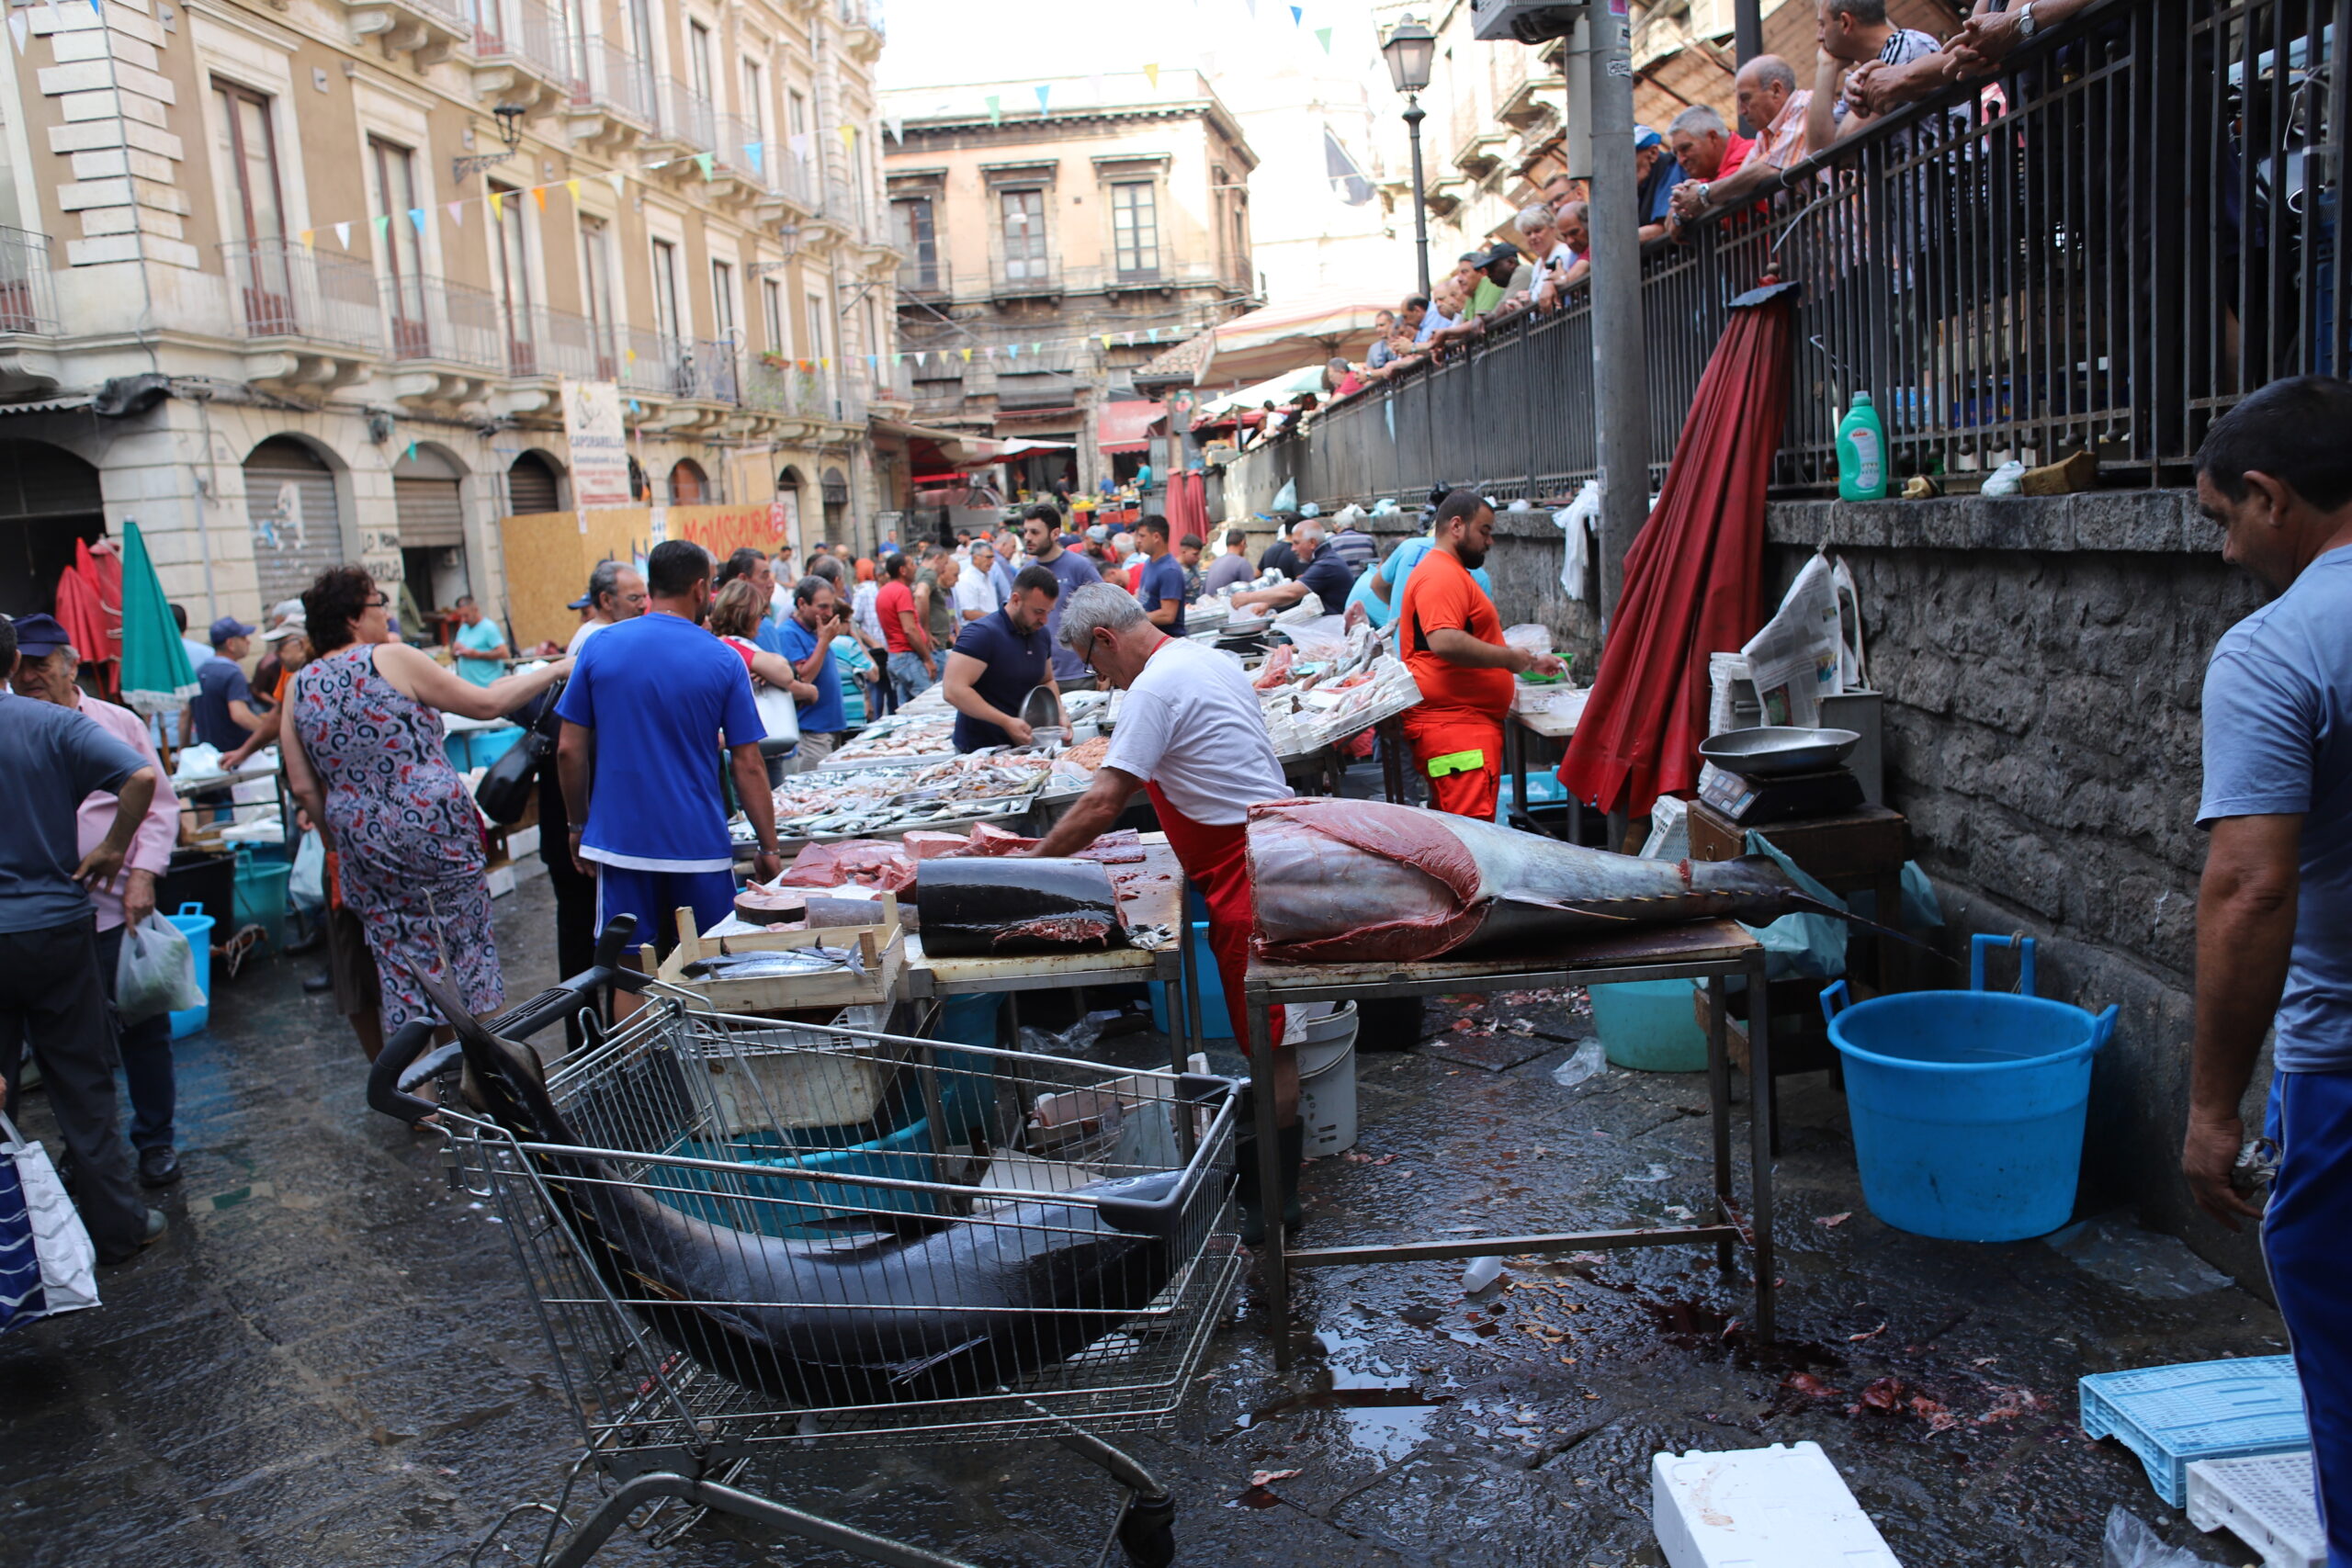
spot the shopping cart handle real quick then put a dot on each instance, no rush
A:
(384, 1091)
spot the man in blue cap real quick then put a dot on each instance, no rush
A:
(222, 715)
(52, 993)
(1658, 175)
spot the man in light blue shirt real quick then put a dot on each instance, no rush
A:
(480, 646)
(2274, 907)
(1382, 589)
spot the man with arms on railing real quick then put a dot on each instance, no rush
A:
(2276, 897)
(1451, 640)
(1856, 33)
(1658, 174)
(1708, 149)
(1553, 258)
(1768, 98)
(1983, 41)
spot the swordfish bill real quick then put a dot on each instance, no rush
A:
(1354, 881)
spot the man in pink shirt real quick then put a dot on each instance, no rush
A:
(46, 666)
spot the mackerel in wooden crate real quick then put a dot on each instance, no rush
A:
(881, 949)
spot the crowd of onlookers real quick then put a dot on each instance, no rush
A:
(1865, 67)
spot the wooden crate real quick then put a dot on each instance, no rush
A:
(881, 947)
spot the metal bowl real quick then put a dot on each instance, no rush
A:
(1773, 751)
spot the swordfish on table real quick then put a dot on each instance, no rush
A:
(1356, 881)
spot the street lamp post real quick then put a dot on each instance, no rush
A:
(1410, 50)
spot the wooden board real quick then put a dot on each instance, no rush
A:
(882, 948)
(549, 555)
(1699, 942)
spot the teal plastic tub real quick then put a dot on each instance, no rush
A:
(261, 892)
(196, 926)
(1650, 1026)
(1968, 1107)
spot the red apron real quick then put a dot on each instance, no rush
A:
(1217, 859)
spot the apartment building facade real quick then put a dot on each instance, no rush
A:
(293, 282)
(1055, 234)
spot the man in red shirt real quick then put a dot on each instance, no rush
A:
(912, 669)
(1708, 151)
(1451, 639)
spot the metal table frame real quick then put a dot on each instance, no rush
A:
(1742, 955)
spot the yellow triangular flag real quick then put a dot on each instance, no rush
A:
(310, 239)
(574, 186)
(967, 357)
(849, 136)
(1151, 75)
(498, 205)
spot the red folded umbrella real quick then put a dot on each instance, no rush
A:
(1188, 511)
(1692, 578)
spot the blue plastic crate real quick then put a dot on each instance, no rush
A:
(2170, 1416)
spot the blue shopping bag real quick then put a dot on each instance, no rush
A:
(47, 1262)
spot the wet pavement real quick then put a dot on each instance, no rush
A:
(329, 1359)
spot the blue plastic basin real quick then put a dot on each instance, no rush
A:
(1968, 1107)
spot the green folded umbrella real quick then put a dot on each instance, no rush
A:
(156, 674)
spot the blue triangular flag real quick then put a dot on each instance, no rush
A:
(416, 217)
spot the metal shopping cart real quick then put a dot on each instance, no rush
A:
(968, 1243)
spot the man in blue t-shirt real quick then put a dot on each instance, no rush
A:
(806, 637)
(2276, 898)
(1162, 591)
(1040, 537)
(222, 715)
(999, 659)
(655, 696)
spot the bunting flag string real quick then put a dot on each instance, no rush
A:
(1150, 75)
(1044, 88)
(456, 212)
(342, 235)
(1323, 37)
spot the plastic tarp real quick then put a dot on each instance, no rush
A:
(1693, 578)
(1127, 425)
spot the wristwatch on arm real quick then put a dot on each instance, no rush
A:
(2026, 23)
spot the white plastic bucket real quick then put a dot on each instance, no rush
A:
(1323, 1041)
(1326, 1101)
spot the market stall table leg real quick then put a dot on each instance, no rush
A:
(1711, 949)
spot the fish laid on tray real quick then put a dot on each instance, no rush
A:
(984, 907)
(872, 1319)
(1355, 881)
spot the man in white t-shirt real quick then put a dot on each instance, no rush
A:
(1191, 733)
(975, 591)
(615, 594)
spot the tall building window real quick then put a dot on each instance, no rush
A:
(249, 148)
(911, 220)
(512, 270)
(772, 313)
(393, 170)
(699, 60)
(722, 300)
(596, 290)
(1134, 229)
(665, 288)
(756, 117)
(1024, 234)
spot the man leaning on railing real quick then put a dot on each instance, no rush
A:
(1767, 92)
(1983, 41)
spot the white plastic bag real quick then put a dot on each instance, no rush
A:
(1577, 520)
(157, 971)
(68, 1262)
(307, 883)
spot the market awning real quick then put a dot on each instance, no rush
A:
(1129, 425)
(1320, 327)
(948, 448)
(1277, 390)
(1021, 445)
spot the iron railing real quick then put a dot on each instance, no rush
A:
(654, 362)
(686, 118)
(27, 301)
(450, 324)
(712, 371)
(2100, 249)
(284, 290)
(526, 31)
(607, 76)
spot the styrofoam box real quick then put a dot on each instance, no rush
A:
(1775, 1507)
(501, 880)
(2266, 1502)
(2197, 1410)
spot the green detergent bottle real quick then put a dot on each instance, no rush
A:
(1862, 453)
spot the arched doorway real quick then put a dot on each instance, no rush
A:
(533, 485)
(836, 503)
(688, 485)
(49, 500)
(296, 519)
(427, 499)
(789, 488)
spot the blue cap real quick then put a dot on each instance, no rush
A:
(37, 636)
(580, 603)
(1645, 137)
(228, 626)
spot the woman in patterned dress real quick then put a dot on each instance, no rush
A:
(363, 755)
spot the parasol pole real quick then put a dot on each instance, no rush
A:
(1621, 394)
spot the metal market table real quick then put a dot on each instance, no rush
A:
(1161, 904)
(1709, 950)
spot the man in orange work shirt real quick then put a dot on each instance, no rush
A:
(1452, 640)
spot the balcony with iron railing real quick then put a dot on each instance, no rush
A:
(529, 35)
(1954, 263)
(283, 289)
(27, 301)
(684, 118)
(432, 320)
(613, 98)
(866, 14)
(654, 364)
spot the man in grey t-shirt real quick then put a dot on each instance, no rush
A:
(52, 993)
(2274, 909)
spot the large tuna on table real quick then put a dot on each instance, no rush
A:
(1357, 881)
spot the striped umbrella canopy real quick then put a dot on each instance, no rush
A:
(156, 675)
(1319, 327)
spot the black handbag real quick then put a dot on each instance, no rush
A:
(507, 784)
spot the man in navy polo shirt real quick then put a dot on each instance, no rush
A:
(1321, 571)
(655, 696)
(1162, 591)
(999, 659)
(806, 637)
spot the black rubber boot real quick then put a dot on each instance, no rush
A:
(1290, 1145)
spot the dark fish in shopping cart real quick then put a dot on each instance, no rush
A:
(1358, 881)
(976, 1305)
(973, 908)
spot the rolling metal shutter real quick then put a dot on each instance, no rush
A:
(530, 486)
(429, 513)
(298, 527)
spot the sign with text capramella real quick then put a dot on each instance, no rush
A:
(591, 427)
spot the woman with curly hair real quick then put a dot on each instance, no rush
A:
(363, 752)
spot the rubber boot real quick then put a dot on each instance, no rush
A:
(1290, 1147)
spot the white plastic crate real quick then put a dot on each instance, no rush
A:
(2266, 1502)
(1775, 1507)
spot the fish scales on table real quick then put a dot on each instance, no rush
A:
(1355, 881)
(872, 1319)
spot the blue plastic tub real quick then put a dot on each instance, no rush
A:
(1968, 1106)
(262, 874)
(196, 926)
(1650, 1026)
(1214, 1023)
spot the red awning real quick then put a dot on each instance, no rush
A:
(1128, 426)
(1693, 573)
